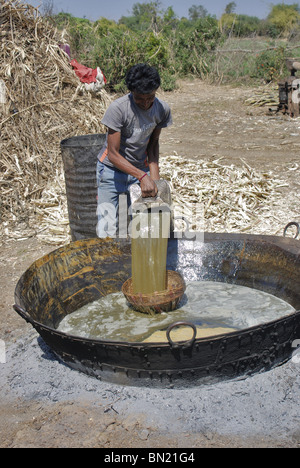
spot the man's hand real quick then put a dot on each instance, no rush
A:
(148, 187)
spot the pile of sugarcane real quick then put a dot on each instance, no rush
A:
(265, 96)
(216, 197)
(41, 103)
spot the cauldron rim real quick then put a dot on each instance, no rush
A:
(142, 344)
(288, 244)
(155, 358)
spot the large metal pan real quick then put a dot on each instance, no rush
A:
(83, 271)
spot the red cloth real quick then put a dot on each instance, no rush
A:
(85, 74)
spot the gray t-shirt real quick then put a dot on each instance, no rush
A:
(136, 126)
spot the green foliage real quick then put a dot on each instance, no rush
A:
(246, 26)
(168, 80)
(270, 64)
(177, 47)
(191, 46)
(170, 21)
(268, 29)
(80, 31)
(115, 52)
(227, 23)
(282, 20)
(230, 8)
(144, 16)
(284, 17)
(196, 12)
(104, 26)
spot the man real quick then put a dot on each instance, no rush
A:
(131, 151)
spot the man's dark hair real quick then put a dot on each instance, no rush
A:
(142, 78)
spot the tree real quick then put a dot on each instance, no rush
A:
(145, 16)
(196, 12)
(248, 25)
(230, 8)
(228, 19)
(284, 17)
(170, 20)
(47, 8)
(148, 14)
(103, 26)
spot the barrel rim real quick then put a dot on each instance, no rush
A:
(77, 138)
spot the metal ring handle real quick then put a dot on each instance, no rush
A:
(181, 324)
(293, 223)
(23, 314)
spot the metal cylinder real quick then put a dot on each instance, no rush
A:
(79, 156)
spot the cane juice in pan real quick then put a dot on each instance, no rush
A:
(149, 243)
(209, 305)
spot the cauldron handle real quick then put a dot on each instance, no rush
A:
(23, 314)
(186, 344)
(293, 223)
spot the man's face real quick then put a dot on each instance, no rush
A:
(144, 101)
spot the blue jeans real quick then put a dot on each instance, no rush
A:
(113, 201)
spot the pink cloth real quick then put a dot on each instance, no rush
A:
(66, 49)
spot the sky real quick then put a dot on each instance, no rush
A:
(114, 9)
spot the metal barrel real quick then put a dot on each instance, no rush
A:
(79, 155)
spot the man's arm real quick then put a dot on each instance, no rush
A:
(148, 187)
(153, 154)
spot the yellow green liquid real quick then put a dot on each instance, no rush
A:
(149, 245)
(205, 304)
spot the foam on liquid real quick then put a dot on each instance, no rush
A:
(206, 304)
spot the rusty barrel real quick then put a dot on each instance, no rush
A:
(79, 155)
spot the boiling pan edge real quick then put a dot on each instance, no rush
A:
(288, 244)
(278, 346)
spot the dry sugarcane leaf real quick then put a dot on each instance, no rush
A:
(236, 199)
(43, 107)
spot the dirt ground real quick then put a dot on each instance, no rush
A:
(208, 121)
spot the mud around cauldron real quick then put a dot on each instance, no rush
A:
(162, 301)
